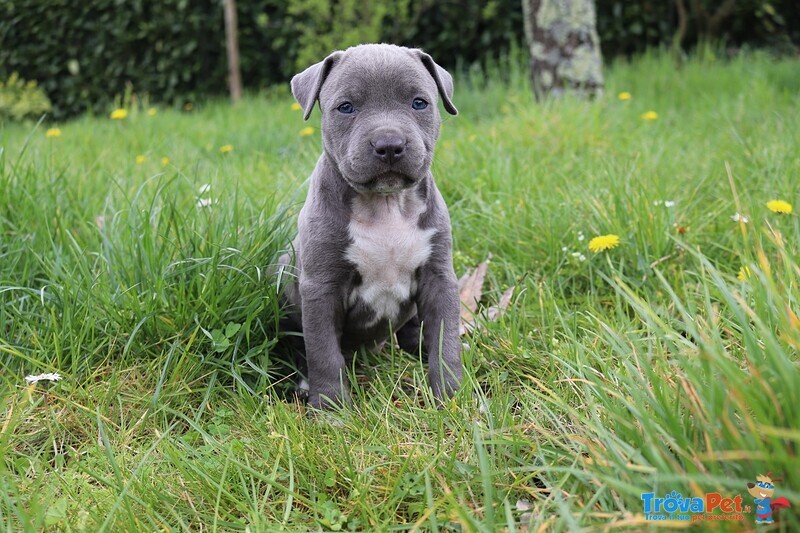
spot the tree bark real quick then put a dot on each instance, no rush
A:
(564, 47)
(232, 45)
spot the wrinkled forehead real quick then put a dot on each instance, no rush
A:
(365, 72)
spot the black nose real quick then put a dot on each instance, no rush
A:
(388, 148)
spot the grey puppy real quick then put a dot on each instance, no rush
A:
(374, 246)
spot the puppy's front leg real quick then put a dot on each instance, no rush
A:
(439, 308)
(322, 330)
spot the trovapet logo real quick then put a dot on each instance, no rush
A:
(762, 492)
(711, 506)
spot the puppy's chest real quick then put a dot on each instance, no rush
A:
(387, 249)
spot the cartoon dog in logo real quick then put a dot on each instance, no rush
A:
(762, 491)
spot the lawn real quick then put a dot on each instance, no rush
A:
(668, 363)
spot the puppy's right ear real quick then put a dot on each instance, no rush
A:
(307, 84)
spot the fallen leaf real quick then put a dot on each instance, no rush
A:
(470, 290)
(496, 311)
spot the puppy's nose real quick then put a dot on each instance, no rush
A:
(388, 148)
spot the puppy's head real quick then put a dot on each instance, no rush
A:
(380, 118)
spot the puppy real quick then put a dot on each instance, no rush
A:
(374, 248)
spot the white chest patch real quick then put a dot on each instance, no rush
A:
(387, 249)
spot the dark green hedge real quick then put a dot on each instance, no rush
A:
(84, 54)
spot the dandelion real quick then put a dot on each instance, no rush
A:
(624, 96)
(152, 112)
(140, 159)
(226, 148)
(52, 132)
(779, 206)
(296, 106)
(305, 132)
(649, 115)
(165, 161)
(188, 106)
(738, 217)
(604, 242)
(744, 274)
(42, 377)
(119, 114)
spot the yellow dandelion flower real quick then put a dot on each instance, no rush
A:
(305, 132)
(604, 242)
(188, 106)
(152, 112)
(650, 115)
(226, 148)
(744, 274)
(624, 95)
(779, 206)
(140, 159)
(165, 161)
(52, 132)
(296, 106)
(119, 114)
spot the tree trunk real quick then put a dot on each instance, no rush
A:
(564, 47)
(232, 44)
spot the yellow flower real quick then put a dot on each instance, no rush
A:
(140, 159)
(604, 242)
(649, 115)
(779, 206)
(624, 95)
(119, 114)
(305, 132)
(226, 148)
(165, 161)
(152, 112)
(53, 132)
(187, 106)
(744, 274)
(296, 107)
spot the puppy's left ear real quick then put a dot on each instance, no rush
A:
(307, 84)
(443, 79)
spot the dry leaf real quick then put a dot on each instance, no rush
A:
(496, 311)
(470, 290)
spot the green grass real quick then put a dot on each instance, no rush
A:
(646, 368)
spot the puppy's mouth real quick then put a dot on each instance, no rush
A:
(385, 183)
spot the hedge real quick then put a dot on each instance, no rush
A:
(84, 54)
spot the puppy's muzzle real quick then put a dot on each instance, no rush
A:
(388, 148)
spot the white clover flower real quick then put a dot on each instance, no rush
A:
(738, 217)
(42, 377)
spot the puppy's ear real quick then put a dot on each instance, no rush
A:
(307, 84)
(443, 79)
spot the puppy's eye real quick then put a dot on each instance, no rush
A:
(346, 108)
(419, 104)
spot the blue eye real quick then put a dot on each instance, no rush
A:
(346, 108)
(419, 104)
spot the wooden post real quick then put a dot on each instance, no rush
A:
(232, 44)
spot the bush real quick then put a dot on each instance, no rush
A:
(20, 99)
(174, 50)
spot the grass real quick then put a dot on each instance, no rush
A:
(646, 368)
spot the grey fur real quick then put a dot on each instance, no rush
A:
(374, 247)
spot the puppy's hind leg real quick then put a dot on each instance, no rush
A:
(408, 337)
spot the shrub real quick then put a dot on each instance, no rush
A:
(20, 99)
